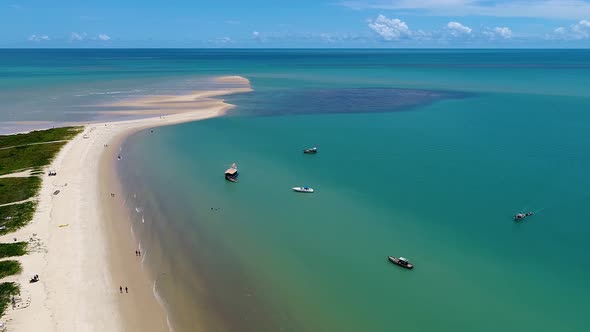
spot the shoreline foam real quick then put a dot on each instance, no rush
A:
(84, 263)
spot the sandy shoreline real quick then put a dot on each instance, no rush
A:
(81, 243)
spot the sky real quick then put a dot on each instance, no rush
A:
(296, 24)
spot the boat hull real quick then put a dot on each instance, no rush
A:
(231, 179)
(397, 262)
(302, 190)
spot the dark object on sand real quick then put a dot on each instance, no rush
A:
(403, 262)
(34, 279)
(56, 192)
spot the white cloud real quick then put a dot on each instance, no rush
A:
(498, 33)
(561, 9)
(577, 31)
(390, 28)
(74, 36)
(581, 29)
(104, 37)
(458, 30)
(255, 34)
(39, 38)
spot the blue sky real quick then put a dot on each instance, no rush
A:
(301, 23)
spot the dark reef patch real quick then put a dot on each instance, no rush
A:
(345, 100)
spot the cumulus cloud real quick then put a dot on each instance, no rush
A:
(74, 36)
(498, 33)
(390, 29)
(458, 30)
(39, 38)
(577, 31)
(104, 37)
(562, 9)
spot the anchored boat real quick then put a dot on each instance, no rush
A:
(403, 262)
(303, 189)
(521, 216)
(313, 150)
(231, 174)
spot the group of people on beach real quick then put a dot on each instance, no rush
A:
(121, 289)
(137, 252)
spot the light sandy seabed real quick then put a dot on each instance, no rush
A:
(80, 239)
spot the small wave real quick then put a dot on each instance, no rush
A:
(163, 304)
(138, 209)
(143, 256)
(142, 219)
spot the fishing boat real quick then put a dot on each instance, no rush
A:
(303, 189)
(403, 262)
(313, 150)
(231, 174)
(521, 216)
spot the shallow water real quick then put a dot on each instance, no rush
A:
(438, 183)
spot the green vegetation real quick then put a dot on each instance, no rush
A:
(7, 291)
(10, 267)
(13, 249)
(13, 217)
(31, 151)
(18, 189)
(39, 136)
(27, 156)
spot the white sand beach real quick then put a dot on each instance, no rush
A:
(80, 244)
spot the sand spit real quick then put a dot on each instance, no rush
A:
(80, 242)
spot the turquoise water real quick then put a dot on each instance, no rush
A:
(437, 183)
(451, 146)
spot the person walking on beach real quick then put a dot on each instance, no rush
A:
(136, 254)
(126, 290)
(121, 289)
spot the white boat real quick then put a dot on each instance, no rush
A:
(303, 189)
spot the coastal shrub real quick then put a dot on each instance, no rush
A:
(18, 189)
(7, 291)
(13, 217)
(39, 136)
(10, 267)
(28, 156)
(13, 249)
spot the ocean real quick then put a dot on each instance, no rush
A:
(425, 154)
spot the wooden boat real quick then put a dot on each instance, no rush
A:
(403, 262)
(303, 189)
(231, 174)
(313, 150)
